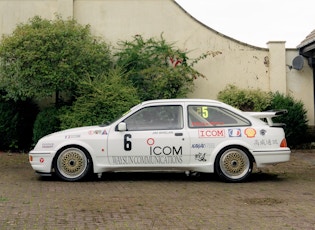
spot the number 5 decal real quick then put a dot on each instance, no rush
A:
(127, 142)
(205, 112)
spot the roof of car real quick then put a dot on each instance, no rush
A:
(181, 100)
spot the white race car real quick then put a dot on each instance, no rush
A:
(188, 135)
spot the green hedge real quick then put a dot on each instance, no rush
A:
(257, 100)
(16, 124)
(47, 121)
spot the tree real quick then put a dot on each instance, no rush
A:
(44, 57)
(156, 68)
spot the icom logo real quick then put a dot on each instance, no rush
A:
(208, 133)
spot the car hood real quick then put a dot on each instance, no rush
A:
(78, 132)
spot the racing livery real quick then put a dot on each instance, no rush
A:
(189, 135)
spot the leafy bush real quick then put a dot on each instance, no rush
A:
(103, 98)
(16, 124)
(245, 99)
(158, 69)
(295, 120)
(59, 57)
(43, 57)
(256, 100)
(47, 121)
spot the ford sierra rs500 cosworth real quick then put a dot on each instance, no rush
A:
(188, 135)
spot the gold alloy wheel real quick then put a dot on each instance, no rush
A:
(235, 164)
(72, 163)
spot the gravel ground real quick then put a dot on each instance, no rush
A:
(277, 197)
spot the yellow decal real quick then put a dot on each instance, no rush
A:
(250, 133)
(203, 111)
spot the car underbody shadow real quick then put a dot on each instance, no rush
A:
(166, 176)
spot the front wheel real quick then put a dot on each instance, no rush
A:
(233, 164)
(72, 164)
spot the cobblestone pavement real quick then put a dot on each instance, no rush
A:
(278, 197)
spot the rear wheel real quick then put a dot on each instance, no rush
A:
(233, 164)
(72, 164)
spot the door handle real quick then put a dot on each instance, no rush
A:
(178, 134)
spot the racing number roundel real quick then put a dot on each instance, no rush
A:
(150, 141)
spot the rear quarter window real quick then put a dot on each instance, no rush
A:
(200, 116)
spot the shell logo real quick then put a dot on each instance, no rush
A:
(250, 133)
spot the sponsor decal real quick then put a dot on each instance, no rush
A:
(250, 132)
(72, 136)
(165, 150)
(266, 142)
(104, 132)
(203, 124)
(208, 133)
(262, 132)
(97, 132)
(41, 160)
(200, 157)
(203, 146)
(235, 132)
(163, 132)
(150, 141)
(156, 154)
(146, 160)
(47, 145)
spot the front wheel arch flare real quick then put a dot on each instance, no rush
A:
(89, 167)
(234, 163)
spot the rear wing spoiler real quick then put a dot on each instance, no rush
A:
(268, 115)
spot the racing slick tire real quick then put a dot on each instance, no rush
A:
(233, 164)
(72, 163)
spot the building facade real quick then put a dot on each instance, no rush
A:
(240, 64)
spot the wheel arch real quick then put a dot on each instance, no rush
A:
(231, 144)
(242, 147)
(84, 149)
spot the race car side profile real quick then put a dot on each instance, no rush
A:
(188, 135)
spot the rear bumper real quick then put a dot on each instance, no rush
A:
(267, 157)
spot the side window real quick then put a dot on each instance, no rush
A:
(206, 116)
(156, 118)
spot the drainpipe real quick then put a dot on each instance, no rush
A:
(311, 62)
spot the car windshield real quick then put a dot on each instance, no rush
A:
(107, 123)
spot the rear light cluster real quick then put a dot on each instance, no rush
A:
(283, 143)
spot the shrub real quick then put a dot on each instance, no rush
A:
(245, 99)
(43, 57)
(16, 124)
(295, 119)
(256, 100)
(157, 68)
(103, 98)
(47, 121)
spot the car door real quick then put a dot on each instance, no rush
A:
(154, 137)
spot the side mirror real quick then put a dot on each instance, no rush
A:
(122, 126)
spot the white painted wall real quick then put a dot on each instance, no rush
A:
(240, 64)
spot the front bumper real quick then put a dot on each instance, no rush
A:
(41, 162)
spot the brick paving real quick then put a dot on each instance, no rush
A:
(279, 197)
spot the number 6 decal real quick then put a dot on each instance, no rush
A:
(127, 142)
